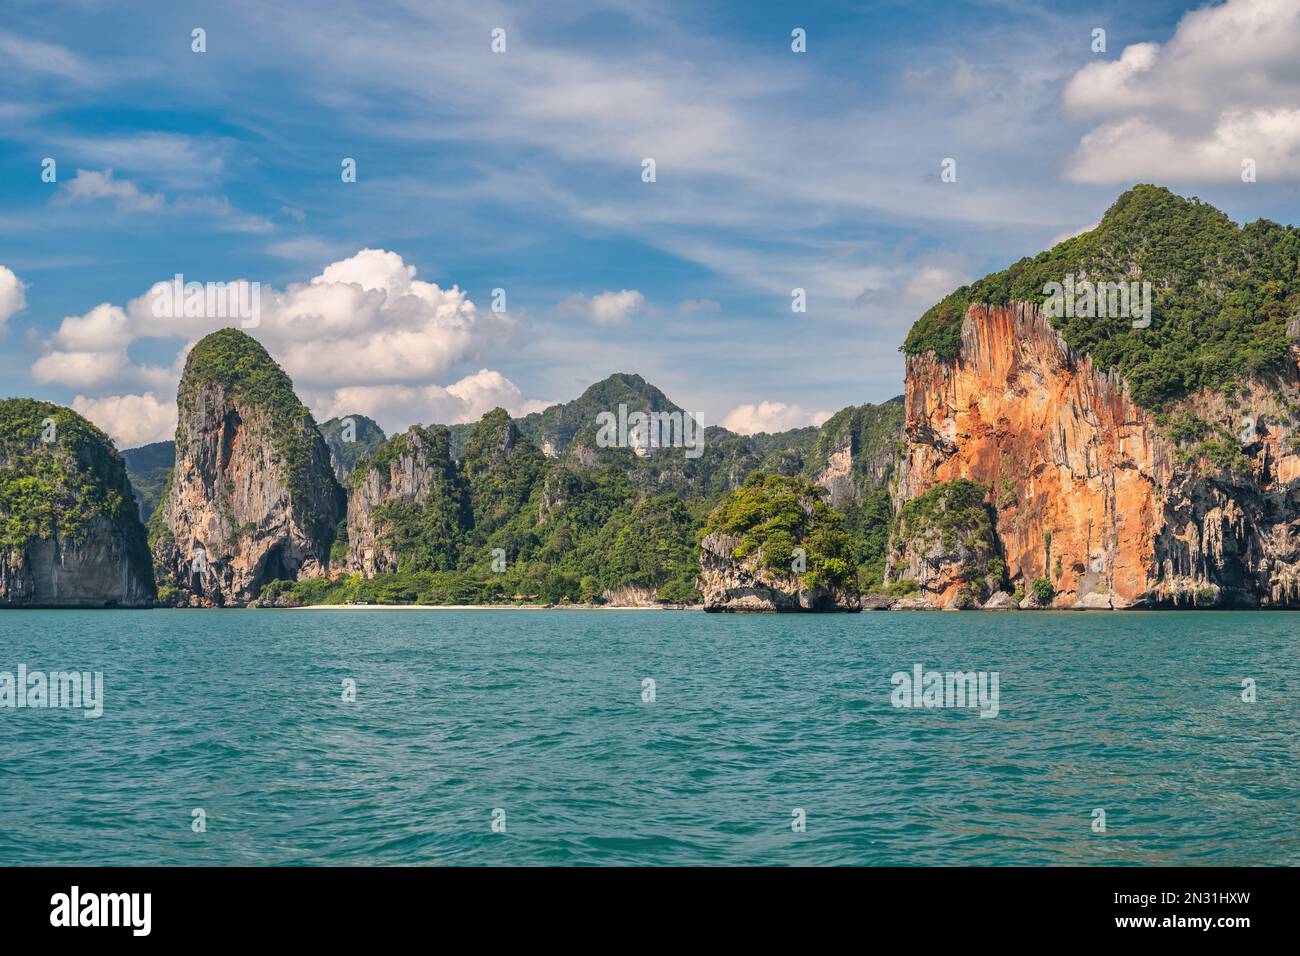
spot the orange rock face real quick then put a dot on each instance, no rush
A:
(1086, 492)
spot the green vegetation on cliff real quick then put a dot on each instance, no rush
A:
(871, 433)
(502, 468)
(504, 522)
(560, 424)
(149, 468)
(156, 526)
(1221, 295)
(868, 522)
(59, 476)
(245, 371)
(425, 535)
(578, 536)
(350, 439)
(955, 513)
(773, 516)
(953, 519)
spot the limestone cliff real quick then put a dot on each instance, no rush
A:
(350, 439)
(856, 449)
(70, 534)
(775, 545)
(944, 543)
(1090, 493)
(731, 583)
(408, 506)
(252, 497)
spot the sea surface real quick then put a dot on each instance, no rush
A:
(539, 721)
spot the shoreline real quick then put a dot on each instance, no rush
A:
(484, 607)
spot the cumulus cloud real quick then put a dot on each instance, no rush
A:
(397, 407)
(770, 417)
(1138, 148)
(608, 308)
(364, 320)
(365, 335)
(13, 295)
(99, 371)
(1222, 89)
(104, 328)
(91, 186)
(130, 420)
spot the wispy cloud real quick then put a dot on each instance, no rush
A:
(35, 58)
(90, 185)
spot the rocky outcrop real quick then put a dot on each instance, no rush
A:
(943, 541)
(630, 596)
(856, 449)
(407, 505)
(729, 583)
(252, 497)
(70, 533)
(350, 439)
(1088, 492)
(1001, 601)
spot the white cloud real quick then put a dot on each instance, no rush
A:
(1139, 149)
(20, 54)
(1222, 89)
(13, 297)
(103, 328)
(99, 371)
(397, 407)
(365, 320)
(770, 417)
(130, 420)
(202, 212)
(363, 336)
(607, 308)
(930, 283)
(91, 185)
(181, 161)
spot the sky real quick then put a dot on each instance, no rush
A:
(128, 157)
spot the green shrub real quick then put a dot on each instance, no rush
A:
(903, 587)
(774, 514)
(1044, 591)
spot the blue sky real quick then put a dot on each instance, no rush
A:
(522, 170)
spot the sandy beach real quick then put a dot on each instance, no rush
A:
(484, 607)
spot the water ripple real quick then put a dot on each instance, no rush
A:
(755, 719)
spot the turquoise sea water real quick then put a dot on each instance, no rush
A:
(540, 714)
